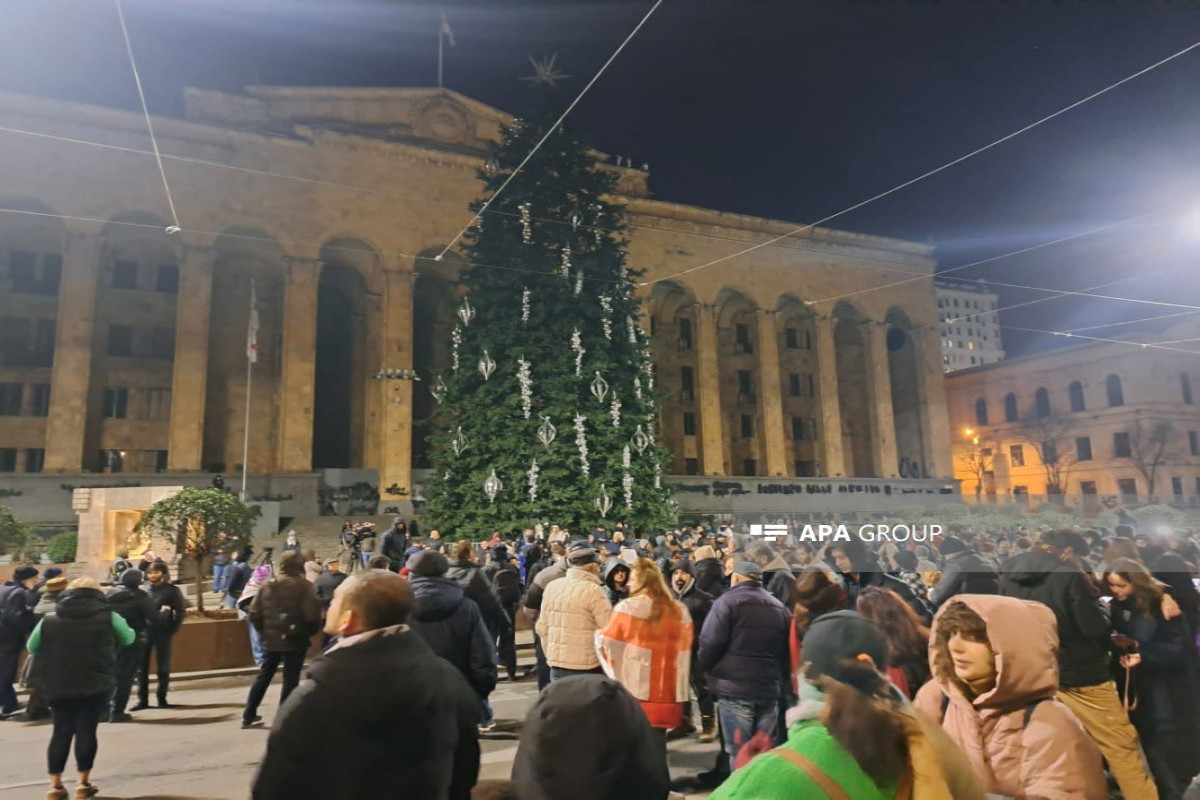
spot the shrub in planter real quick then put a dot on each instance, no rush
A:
(61, 547)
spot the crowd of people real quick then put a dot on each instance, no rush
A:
(1035, 665)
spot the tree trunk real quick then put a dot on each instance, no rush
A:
(199, 586)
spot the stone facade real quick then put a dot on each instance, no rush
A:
(1100, 404)
(128, 342)
(970, 324)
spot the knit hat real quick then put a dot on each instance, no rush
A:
(24, 573)
(500, 553)
(747, 569)
(841, 636)
(57, 584)
(131, 578)
(51, 572)
(428, 564)
(702, 552)
(951, 545)
(580, 554)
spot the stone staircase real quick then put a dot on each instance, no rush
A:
(321, 534)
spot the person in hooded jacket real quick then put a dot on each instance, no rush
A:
(139, 612)
(531, 604)
(777, 577)
(75, 652)
(966, 572)
(395, 543)
(587, 738)
(451, 624)
(16, 621)
(159, 638)
(475, 585)
(616, 580)
(389, 716)
(859, 569)
(710, 572)
(699, 603)
(993, 688)
(1049, 574)
(504, 578)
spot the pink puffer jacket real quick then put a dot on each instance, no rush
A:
(1050, 758)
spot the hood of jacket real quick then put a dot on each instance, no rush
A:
(777, 564)
(1031, 568)
(682, 565)
(610, 567)
(437, 598)
(703, 552)
(1024, 636)
(80, 603)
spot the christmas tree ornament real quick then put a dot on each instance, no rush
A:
(606, 318)
(614, 410)
(455, 343)
(581, 443)
(599, 387)
(627, 479)
(632, 326)
(491, 166)
(575, 220)
(546, 432)
(526, 380)
(466, 312)
(486, 365)
(640, 440)
(577, 346)
(637, 387)
(438, 389)
(603, 502)
(458, 442)
(525, 304)
(657, 475)
(526, 223)
(492, 486)
(578, 282)
(565, 269)
(532, 474)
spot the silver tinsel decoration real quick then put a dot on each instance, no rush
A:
(526, 223)
(596, 231)
(486, 365)
(606, 320)
(629, 323)
(577, 346)
(578, 282)
(525, 305)
(466, 312)
(526, 380)
(603, 502)
(657, 476)
(575, 220)
(615, 410)
(546, 432)
(627, 479)
(566, 262)
(492, 486)
(581, 443)
(533, 472)
(599, 387)
(455, 341)
(637, 387)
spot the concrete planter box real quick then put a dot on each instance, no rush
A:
(207, 644)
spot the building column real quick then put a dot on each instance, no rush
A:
(935, 418)
(189, 380)
(883, 421)
(296, 384)
(72, 371)
(770, 396)
(708, 391)
(395, 462)
(832, 457)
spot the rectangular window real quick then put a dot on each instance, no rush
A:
(689, 424)
(162, 343)
(691, 466)
(112, 460)
(794, 384)
(120, 340)
(798, 428)
(685, 334)
(8, 459)
(749, 467)
(166, 278)
(124, 274)
(1121, 448)
(1177, 486)
(154, 461)
(741, 333)
(1049, 453)
(1087, 487)
(39, 399)
(116, 403)
(806, 469)
(1083, 448)
(1021, 494)
(22, 269)
(35, 459)
(747, 426)
(1127, 486)
(10, 398)
(158, 404)
(1194, 443)
(791, 338)
(1016, 456)
(44, 331)
(687, 379)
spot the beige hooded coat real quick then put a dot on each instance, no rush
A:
(1051, 758)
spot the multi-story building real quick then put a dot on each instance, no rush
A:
(123, 345)
(1108, 417)
(970, 324)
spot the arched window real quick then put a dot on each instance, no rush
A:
(1041, 403)
(1112, 385)
(1010, 408)
(1075, 390)
(981, 417)
(1185, 383)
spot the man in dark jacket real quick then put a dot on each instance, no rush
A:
(16, 623)
(859, 570)
(158, 641)
(777, 577)
(966, 572)
(1049, 574)
(710, 572)
(379, 697)
(287, 614)
(327, 582)
(744, 650)
(699, 604)
(394, 544)
(535, 587)
(450, 623)
(139, 612)
(505, 580)
(239, 574)
(469, 576)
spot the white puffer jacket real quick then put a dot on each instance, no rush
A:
(573, 609)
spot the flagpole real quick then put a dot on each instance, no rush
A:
(246, 425)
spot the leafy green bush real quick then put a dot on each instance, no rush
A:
(16, 537)
(61, 547)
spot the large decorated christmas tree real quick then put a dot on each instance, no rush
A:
(548, 409)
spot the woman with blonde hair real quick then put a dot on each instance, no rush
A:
(76, 666)
(647, 646)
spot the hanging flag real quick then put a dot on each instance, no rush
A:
(449, 34)
(252, 332)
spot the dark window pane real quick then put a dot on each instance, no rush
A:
(120, 340)
(10, 398)
(8, 459)
(124, 274)
(39, 401)
(35, 459)
(166, 278)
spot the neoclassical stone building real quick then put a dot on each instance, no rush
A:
(122, 346)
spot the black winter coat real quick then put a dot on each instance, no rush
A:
(400, 719)
(392, 544)
(237, 578)
(710, 576)
(875, 576)
(478, 588)
(287, 613)
(167, 594)
(450, 623)
(137, 609)
(744, 644)
(16, 617)
(77, 651)
(325, 585)
(966, 573)
(1084, 629)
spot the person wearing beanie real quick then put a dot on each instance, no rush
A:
(966, 572)
(287, 614)
(852, 734)
(505, 580)
(140, 613)
(166, 597)
(452, 625)
(572, 611)
(16, 622)
(54, 586)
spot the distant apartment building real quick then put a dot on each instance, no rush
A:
(970, 325)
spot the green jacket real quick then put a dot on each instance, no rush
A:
(772, 777)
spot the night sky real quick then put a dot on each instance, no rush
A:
(782, 108)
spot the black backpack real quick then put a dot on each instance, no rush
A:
(507, 585)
